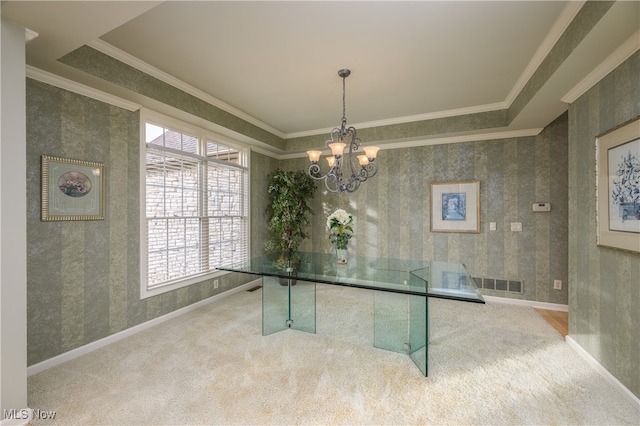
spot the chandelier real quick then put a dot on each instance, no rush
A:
(337, 179)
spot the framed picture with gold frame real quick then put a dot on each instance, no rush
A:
(618, 187)
(72, 189)
(455, 207)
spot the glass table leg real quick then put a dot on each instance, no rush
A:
(390, 321)
(275, 305)
(401, 325)
(419, 332)
(288, 303)
(303, 306)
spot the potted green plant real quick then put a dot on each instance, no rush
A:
(289, 213)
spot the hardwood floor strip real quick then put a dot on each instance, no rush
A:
(558, 320)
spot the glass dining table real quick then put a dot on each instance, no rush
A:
(401, 287)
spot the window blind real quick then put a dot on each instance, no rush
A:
(196, 206)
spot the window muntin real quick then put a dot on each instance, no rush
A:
(196, 204)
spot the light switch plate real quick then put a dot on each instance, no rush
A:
(542, 207)
(516, 226)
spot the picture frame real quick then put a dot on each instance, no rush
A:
(72, 189)
(455, 207)
(618, 187)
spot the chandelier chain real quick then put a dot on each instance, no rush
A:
(344, 101)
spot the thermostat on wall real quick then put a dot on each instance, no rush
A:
(541, 207)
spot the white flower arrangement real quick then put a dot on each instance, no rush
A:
(340, 228)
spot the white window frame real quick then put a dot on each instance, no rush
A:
(147, 116)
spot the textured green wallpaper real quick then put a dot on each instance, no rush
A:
(604, 297)
(392, 210)
(412, 130)
(97, 63)
(83, 277)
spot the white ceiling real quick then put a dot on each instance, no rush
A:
(277, 62)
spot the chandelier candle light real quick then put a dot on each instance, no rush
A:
(334, 178)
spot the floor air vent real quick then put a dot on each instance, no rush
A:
(258, 287)
(511, 286)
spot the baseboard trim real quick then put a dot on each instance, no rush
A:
(571, 342)
(603, 371)
(529, 303)
(90, 347)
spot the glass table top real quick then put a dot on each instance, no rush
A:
(414, 277)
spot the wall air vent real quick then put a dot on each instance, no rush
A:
(499, 284)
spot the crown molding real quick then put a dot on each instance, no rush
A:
(81, 89)
(614, 60)
(475, 137)
(29, 35)
(559, 27)
(267, 152)
(408, 119)
(136, 63)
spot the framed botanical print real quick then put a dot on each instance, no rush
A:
(455, 207)
(72, 189)
(618, 187)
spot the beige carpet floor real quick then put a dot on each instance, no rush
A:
(491, 364)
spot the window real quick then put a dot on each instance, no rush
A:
(195, 205)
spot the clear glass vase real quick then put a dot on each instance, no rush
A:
(341, 255)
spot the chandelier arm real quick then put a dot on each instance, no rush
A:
(353, 185)
(314, 171)
(354, 145)
(334, 177)
(354, 140)
(337, 130)
(372, 169)
(363, 175)
(334, 190)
